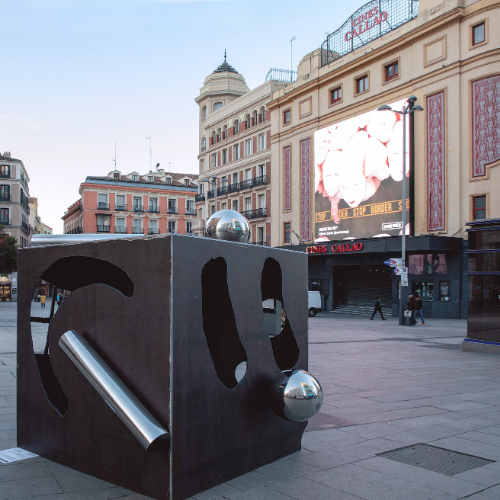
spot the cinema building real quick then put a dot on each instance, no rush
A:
(339, 161)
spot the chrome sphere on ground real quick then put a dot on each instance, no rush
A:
(228, 225)
(296, 396)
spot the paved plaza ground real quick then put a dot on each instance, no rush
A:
(385, 386)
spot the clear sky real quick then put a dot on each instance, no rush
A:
(80, 75)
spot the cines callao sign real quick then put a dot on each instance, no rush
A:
(338, 248)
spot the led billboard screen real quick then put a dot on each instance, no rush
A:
(358, 177)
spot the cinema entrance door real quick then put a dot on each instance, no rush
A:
(359, 285)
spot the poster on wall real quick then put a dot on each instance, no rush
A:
(358, 177)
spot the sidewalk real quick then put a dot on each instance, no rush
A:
(386, 387)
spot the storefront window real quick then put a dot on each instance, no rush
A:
(484, 240)
(424, 289)
(444, 291)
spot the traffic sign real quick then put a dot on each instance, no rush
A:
(400, 270)
(393, 262)
(404, 280)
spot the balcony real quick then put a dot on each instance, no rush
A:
(137, 208)
(25, 227)
(255, 214)
(210, 194)
(259, 181)
(103, 229)
(5, 222)
(190, 211)
(5, 198)
(172, 210)
(75, 230)
(4, 176)
(199, 197)
(102, 206)
(120, 230)
(121, 207)
(154, 209)
(137, 230)
(152, 230)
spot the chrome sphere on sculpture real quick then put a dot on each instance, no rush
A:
(228, 225)
(296, 396)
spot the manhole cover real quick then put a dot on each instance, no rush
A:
(322, 421)
(435, 459)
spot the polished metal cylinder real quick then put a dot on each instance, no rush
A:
(38, 240)
(104, 380)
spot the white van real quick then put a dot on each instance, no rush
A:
(314, 303)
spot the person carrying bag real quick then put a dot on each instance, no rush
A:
(411, 307)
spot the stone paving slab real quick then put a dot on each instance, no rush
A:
(426, 390)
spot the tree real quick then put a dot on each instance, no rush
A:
(8, 253)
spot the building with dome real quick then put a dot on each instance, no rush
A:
(235, 150)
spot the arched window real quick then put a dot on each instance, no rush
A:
(249, 122)
(263, 113)
(236, 126)
(204, 113)
(218, 105)
(214, 137)
(219, 135)
(225, 132)
(203, 144)
(255, 121)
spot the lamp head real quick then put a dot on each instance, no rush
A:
(417, 108)
(385, 107)
(412, 99)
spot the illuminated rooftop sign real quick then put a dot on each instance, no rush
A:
(374, 19)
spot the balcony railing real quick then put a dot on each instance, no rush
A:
(260, 243)
(255, 214)
(102, 206)
(121, 207)
(5, 222)
(25, 226)
(199, 197)
(5, 198)
(137, 208)
(103, 229)
(137, 230)
(241, 186)
(191, 211)
(210, 194)
(154, 209)
(120, 230)
(153, 231)
(171, 210)
(4, 176)
(75, 230)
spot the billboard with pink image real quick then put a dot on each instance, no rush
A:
(358, 177)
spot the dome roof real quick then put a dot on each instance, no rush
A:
(225, 67)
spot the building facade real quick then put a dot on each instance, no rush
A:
(448, 56)
(154, 203)
(14, 213)
(35, 221)
(235, 150)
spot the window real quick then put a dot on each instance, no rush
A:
(423, 289)
(478, 34)
(204, 113)
(237, 127)
(151, 178)
(235, 178)
(4, 216)
(262, 201)
(189, 228)
(248, 147)
(263, 113)
(212, 209)
(137, 201)
(214, 160)
(103, 223)
(248, 174)
(172, 206)
(153, 204)
(136, 226)
(4, 171)
(249, 122)
(187, 182)
(286, 232)
(335, 95)
(153, 226)
(218, 105)
(135, 177)
(223, 206)
(286, 117)
(102, 201)
(120, 225)
(224, 136)
(362, 84)
(5, 193)
(248, 203)
(224, 156)
(255, 120)
(260, 235)
(236, 151)
(116, 176)
(479, 207)
(171, 226)
(262, 142)
(392, 71)
(190, 207)
(235, 205)
(260, 171)
(120, 202)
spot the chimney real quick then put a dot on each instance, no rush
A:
(6, 154)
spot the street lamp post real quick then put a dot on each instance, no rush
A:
(408, 108)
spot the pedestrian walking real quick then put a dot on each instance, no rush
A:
(42, 300)
(377, 308)
(58, 299)
(418, 309)
(411, 307)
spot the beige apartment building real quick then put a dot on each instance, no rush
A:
(235, 150)
(35, 221)
(447, 55)
(14, 213)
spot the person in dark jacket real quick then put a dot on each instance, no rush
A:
(418, 309)
(411, 307)
(377, 308)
